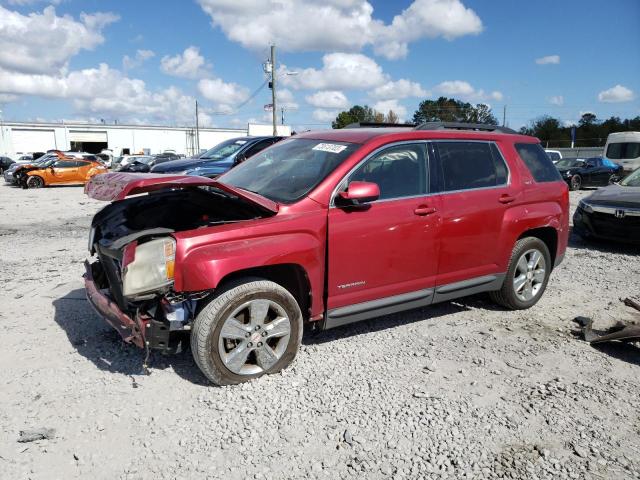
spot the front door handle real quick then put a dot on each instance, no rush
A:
(506, 198)
(423, 210)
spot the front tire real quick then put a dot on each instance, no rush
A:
(527, 275)
(35, 182)
(250, 328)
(575, 183)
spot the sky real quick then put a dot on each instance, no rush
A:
(148, 61)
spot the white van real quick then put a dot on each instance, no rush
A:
(624, 149)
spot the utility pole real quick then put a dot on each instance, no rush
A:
(504, 116)
(197, 131)
(273, 90)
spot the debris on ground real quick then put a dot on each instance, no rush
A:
(27, 436)
(619, 331)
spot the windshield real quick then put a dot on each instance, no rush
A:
(621, 151)
(145, 160)
(290, 169)
(631, 180)
(224, 149)
(570, 163)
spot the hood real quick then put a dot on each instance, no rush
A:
(117, 186)
(616, 195)
(188, 164)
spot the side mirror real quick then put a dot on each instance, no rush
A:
(358, 193)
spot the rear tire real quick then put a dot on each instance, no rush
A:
(527, 275)
(250, 328)
(35, 182)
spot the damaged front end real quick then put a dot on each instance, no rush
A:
(129, 279)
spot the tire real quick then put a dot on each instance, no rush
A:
(513, 298)
(218, 353)
(575, 183)
(613, 179)
(35, 182)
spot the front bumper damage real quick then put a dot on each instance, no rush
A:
(132, 330)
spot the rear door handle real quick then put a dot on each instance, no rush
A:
(424, 210)
(506, 198)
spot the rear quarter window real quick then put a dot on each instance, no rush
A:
(538, 162)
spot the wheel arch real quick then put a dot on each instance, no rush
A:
(549, 235)
(291, 276)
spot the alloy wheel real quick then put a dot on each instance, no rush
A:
(576, 182)
(529, 275)
(254, 337)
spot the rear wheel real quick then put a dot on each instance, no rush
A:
(576, 182)
(251, 328)
(35, 182)
(527, 275)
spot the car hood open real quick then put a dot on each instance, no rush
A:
(118, 186)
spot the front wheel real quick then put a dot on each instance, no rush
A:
(527, 275)
(251, 328)
(35, 182)
(576, 182)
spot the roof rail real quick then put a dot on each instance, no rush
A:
(464, 126)
(379, 125)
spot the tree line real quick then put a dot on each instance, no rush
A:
(589, 131)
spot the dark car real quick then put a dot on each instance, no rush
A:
(325, 228)
(5, 162)
(592, 172)
(219, 159)
(611, 213)
(141, 164)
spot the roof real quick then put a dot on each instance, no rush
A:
(364, 135)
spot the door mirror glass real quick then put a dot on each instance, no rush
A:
(359, 193)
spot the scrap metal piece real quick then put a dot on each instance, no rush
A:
(36, 434)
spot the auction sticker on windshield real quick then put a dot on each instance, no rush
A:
(329, 147)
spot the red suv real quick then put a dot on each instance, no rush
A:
(326, 228)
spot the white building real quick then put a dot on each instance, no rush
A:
(24, 137)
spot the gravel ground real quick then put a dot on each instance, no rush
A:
(457, 390)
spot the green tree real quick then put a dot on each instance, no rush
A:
(451, 110)
(357, 114)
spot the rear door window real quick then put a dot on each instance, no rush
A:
(538, 162)
(470, 165)
(618, 151)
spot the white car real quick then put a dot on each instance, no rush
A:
(554, 155)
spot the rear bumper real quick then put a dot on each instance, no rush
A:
(131, 331)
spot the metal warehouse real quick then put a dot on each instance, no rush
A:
(25, 137)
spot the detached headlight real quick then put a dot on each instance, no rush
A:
(149, 266)
(585, 206)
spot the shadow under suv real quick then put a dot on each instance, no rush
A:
(327, 228)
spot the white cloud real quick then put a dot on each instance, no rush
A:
(548, 60)
(328, 99)
(340, 71)
(224, 95)
(140, 57)
(426, 18)
(616, 94)
(286, 99)
(557, 100)
(384, 106)
(188, 64)
(399, 89)
(44, 42)
(466, 91)
(344, 25)
(8, 98)
(323, 115)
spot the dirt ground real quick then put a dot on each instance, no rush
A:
(458, 390)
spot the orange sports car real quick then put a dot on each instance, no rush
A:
(64, 171)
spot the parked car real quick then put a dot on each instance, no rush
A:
(219, 159)
(611, 213)
(63, 171)
(16, 172)
(327, 227)
(5, 162)
(126, 159)
(141, 164)
(554, 155)
(624, 148)
(590, 172)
